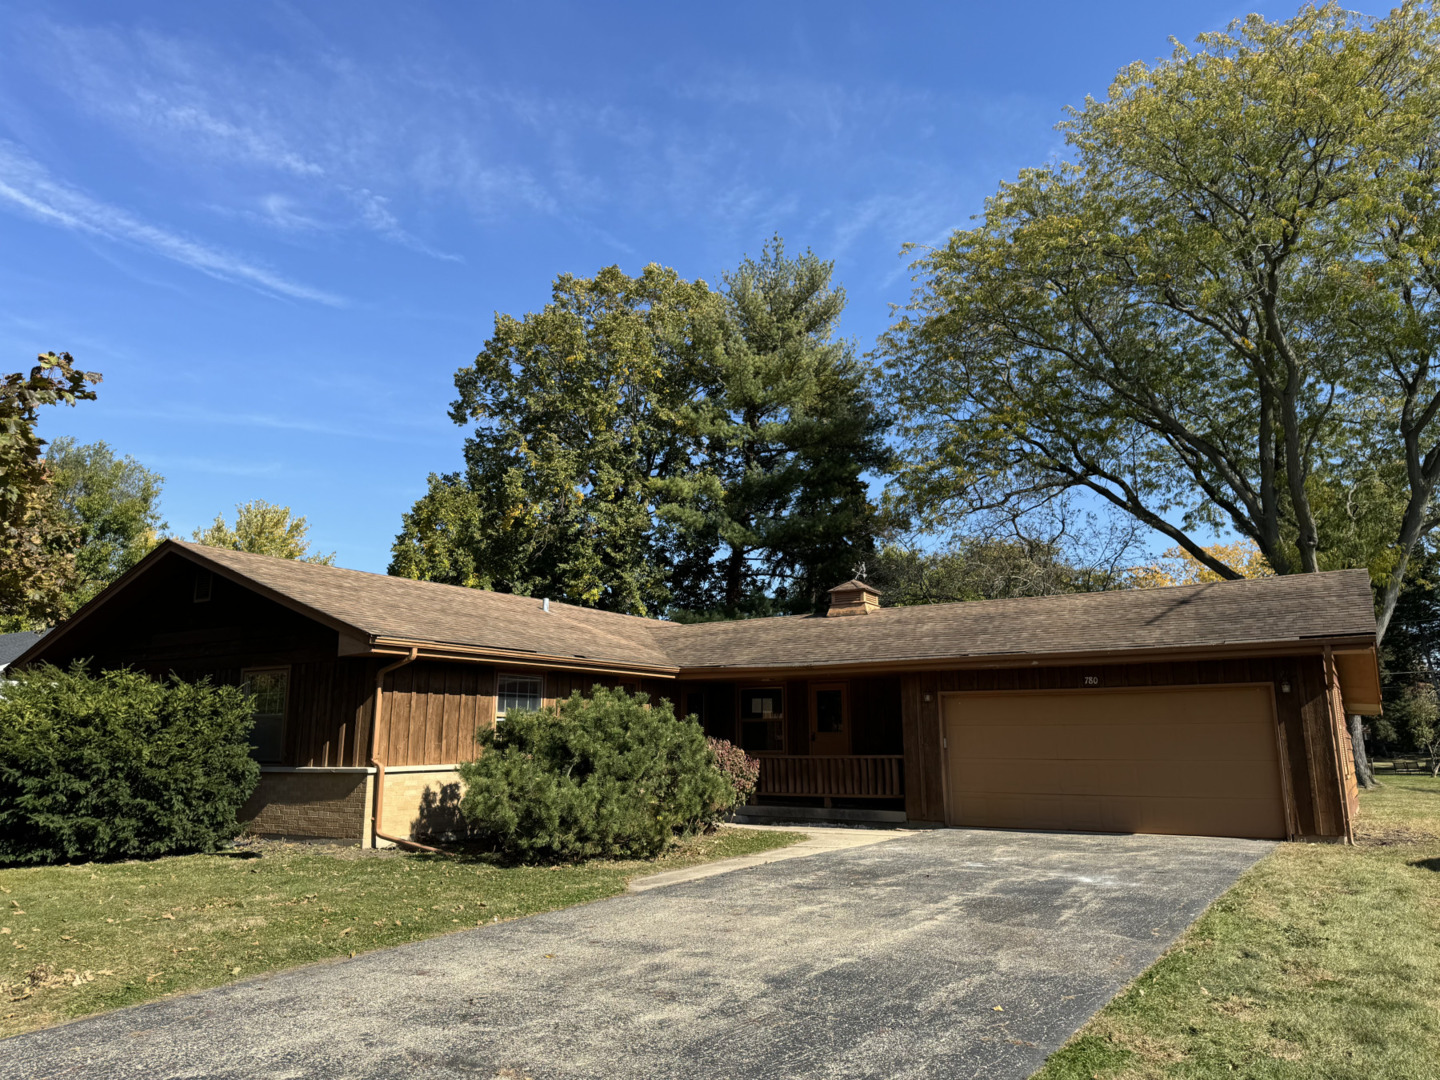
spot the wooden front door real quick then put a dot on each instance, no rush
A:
(829, 718)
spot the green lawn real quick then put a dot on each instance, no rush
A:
(79, 939)
(1322, 962)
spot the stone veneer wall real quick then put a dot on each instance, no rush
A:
(322, 803)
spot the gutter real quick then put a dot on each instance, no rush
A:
(380, 765)
(434, 650)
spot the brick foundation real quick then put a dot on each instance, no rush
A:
(423, 802)
(323, 803)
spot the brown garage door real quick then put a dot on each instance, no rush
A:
(1199, 760)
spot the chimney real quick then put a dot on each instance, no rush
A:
(854, 597)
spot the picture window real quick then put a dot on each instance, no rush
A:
(762, 719)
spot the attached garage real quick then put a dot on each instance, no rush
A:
(1202, 760)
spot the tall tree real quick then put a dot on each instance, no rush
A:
(987, 568)
(578, 409)
(779, 503)
(113, 504)
(1221, 313)
(263, 528)
(37, 565)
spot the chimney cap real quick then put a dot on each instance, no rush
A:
(855, 585)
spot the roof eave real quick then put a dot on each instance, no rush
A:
(382, 645)
(1223, 651)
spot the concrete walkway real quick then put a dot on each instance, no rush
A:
(946, 953)
(818, 840)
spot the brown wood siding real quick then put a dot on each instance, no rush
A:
(920, 726)
(875, 716)
(797, 717)
(433, 711)
(433, 708)
(327, 715)
(1303, 713)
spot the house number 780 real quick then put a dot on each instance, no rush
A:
(1092, 680)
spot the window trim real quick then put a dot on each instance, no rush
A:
(539, 678)
(782, 719)
(245, 674)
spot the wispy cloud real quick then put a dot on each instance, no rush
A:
(409, 432)
(27, 186)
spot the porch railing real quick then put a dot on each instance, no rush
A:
(857, 776)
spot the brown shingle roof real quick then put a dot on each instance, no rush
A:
(378, 605)
(1233, 613)
(1275, 609)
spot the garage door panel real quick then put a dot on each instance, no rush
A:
(1178, 816)
(1022, 776)
(1156, 741)
(1197, 760)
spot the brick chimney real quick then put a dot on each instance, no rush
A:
(854, 597)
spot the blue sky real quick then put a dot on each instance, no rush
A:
(278, 229)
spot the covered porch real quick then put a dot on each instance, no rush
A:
(821, 743)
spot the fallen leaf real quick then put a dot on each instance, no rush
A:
(4, 929)
(167, 915)
(235, 971)
(997, 1008)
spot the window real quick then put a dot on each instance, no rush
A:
(268, 690)
(695, 706)
(522, 693)
(762, 719)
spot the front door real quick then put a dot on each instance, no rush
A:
(829, 719)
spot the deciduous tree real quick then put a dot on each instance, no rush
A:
(263, 528)
(578, 410)
(1223, 312)
(37, 566)
(113, 504)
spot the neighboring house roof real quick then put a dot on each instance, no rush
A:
(12, 646)
(1269, 610)
(389, 611)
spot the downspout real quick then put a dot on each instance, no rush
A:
(376, 716)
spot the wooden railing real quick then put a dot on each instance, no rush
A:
(864, 776)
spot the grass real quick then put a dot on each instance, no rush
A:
(79, 939)
(1322, 962)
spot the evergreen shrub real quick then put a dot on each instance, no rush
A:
(611, 775)
(119, 766)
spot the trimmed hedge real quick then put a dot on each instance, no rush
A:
(610, 775)
(119, 765)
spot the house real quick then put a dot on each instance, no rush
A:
(1214, 709)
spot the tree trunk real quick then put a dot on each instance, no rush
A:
(1363, 775)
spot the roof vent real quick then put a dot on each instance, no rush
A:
(855, 597)
(547, 603)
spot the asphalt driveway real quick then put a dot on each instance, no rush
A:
(886, 961)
